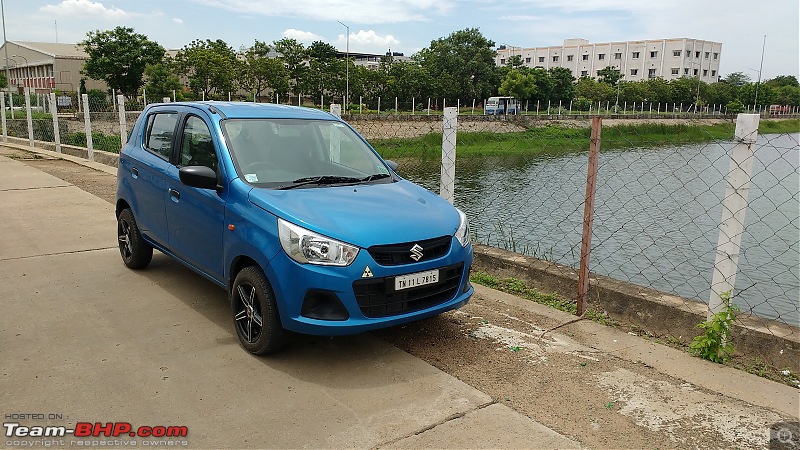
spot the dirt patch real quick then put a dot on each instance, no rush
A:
(587, 394)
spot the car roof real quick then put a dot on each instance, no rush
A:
(249, 110)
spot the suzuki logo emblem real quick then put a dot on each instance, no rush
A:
(416, 252)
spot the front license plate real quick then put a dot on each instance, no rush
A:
(413, 280)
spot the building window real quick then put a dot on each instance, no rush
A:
(706, 55)
(697, 54)
(705, 72)
(617, 55)
(651, 73)
(716, 55)
(601, 56)
(686, 71)
(541, 59)
(694, 72)
(555, 58)
(676, 53)
(635, 55)
(585, 57)
(502, 61)
(654, 54)
(634, 72)
(713, 73)
(570, 57)
(584, 73)
(527, 60)
(675, 70)
(688, 54)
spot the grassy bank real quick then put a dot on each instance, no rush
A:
(559, 140)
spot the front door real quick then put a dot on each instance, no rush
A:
(196, 216)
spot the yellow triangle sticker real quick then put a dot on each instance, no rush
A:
(367, 273)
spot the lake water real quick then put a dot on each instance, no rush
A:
(656, 217)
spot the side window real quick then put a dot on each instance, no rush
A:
(197, 148)
(160, 133)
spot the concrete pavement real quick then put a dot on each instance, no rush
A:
(84, 339)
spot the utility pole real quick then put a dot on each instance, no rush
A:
(761, 67)
(5, 45)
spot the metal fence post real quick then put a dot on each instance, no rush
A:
(3, 115)
(588, 215)
(54, 113)
(88, 126)
(28, 115)
(449, 127)
(123, 126)
(734, 206)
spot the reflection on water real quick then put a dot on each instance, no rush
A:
(656, 217)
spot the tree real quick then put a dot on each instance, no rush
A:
(210, 66)
(609, 75)
(514, 61)
(119, 58)
(737, 79)
(3, 81)
(259, 72)
(783, 80)
(462, 64)
(659, 91)
(161, 80)
(593, 90)
(720, 93)
(323, 70)
(293, 55)
(562, 84)
(518, 84)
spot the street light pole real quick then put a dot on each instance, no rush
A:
(755, 101)
(5, 45)
(347, 68)
(27, 66)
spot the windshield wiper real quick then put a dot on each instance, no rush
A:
(324, 179)
(377, 176)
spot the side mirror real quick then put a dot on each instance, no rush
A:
(392, 165)
(198, 176)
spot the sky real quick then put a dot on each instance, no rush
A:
(377, 26)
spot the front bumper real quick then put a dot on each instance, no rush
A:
(370, 302)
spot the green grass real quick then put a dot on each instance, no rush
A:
(519, 288)
(555, 141)
(109, 143)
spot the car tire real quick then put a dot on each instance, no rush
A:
(255, 313)
(135, 252)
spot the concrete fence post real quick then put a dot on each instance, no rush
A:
(336, 109)
(11, 103)
(734, 206)
(413, 105)
(87, 126)
(123, 125)
(3, 116)
(28, 115)
(335, 150)
(54, 113)
(429, 106)
(449, 129)
(379, 105)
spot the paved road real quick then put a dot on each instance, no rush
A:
(87, 340)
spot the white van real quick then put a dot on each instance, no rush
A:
(502, 105)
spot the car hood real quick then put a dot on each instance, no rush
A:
(363, 215)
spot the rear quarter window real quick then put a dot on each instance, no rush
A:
(160, 133)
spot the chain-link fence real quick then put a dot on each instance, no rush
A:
(522, 182)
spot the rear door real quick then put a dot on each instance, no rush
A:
(196, 216)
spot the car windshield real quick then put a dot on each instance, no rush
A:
(287, 153)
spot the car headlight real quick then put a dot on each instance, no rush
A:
(462, 233)
(305, 246)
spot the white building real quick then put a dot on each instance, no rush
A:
(637, 60)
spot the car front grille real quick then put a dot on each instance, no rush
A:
(377, 298)
(398, 254)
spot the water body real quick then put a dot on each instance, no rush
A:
(656, 218)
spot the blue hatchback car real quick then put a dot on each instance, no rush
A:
(293, 213)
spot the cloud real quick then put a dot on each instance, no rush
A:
(348, 11)
(368, 41)
(305, 37)
(83, 8)
(521, 18)
(177, 20)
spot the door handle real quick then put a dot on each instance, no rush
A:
(135, 172)
(175, 195)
